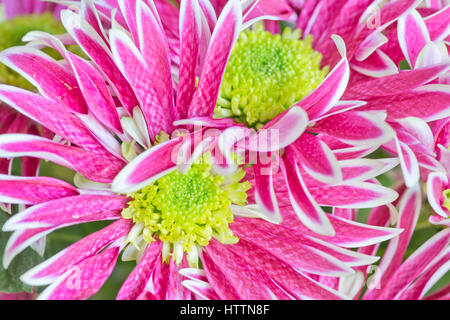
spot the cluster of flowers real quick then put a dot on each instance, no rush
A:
(231, 144)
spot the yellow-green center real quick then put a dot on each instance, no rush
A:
(11, 34)
(266, 74)
(446, 202)
(188, 209)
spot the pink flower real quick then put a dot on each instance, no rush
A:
(135, 181)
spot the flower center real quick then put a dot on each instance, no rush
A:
(446, 202)
(11, 34)
(186, 210)
(266, 74)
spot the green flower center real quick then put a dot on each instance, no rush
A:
(188, 210)
(11, 34)
(266, 74)
(446, 202)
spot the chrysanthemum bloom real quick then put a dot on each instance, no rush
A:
(396, 277)
(166, 218)
(292, 71)
(399, 63)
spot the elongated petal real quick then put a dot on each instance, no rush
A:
(190, 33)
(409, 209)
(133, 66)
(298, 255)
(50, 114)
(328, 93)
(265, 193)
(97, 167)
(49, 270)
(68, 211)
(317, 159)
(33, 190)
(280, 131)
(137, 280)
(416, 263)
(408, 163)
(147, 167)
(436, 184)
(357, 128)
(429, 102)
(307, 209)
(377, 65)
(225, 34)
(84, 279)
(98, 51)
(412, 35)
(51, 79)
(353, 195)
(438, 24)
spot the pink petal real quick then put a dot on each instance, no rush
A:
(356, 128)
(137, 280)
(225, 34)
(436, 184)
(84, 279)
(310, 214)
(377, 65)
(30, 190)
(98, 51)
(190, 34)
(147, 167)
(97, 167)
(316, 158)
(141, 77)
(51, 79)
(412, 35)
(265, 194)
(52, 115)
(49, 270)
(438, 24)
(68, 211)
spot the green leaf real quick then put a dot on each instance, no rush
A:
(10, 278)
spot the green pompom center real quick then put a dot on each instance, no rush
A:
(267, 74)
(188, 209)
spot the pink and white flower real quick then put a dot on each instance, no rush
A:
(78, 101)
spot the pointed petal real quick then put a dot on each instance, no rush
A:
(68, 211)
(49, 270)
(225, 35)
(316, 159)
(33, 190)
(436, 184)
(308, 211)
(97, 167)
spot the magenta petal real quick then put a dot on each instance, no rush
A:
(308, 211)
(190, 33)
(158, 116)
(33, 190)
(49, 270)
(147, 167)
(357, 128)
(416, 263)
(225, 34)
(436, 184)
(98, 51)
(68, 211)
(412, 35)
(232, 269)
(84, 279)
(137, 280)
(316, 159)
(50, 114)
(377, 65)
(97, 167)
(52, 80)
(437, 24)
(265, 194)
(409, 210)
